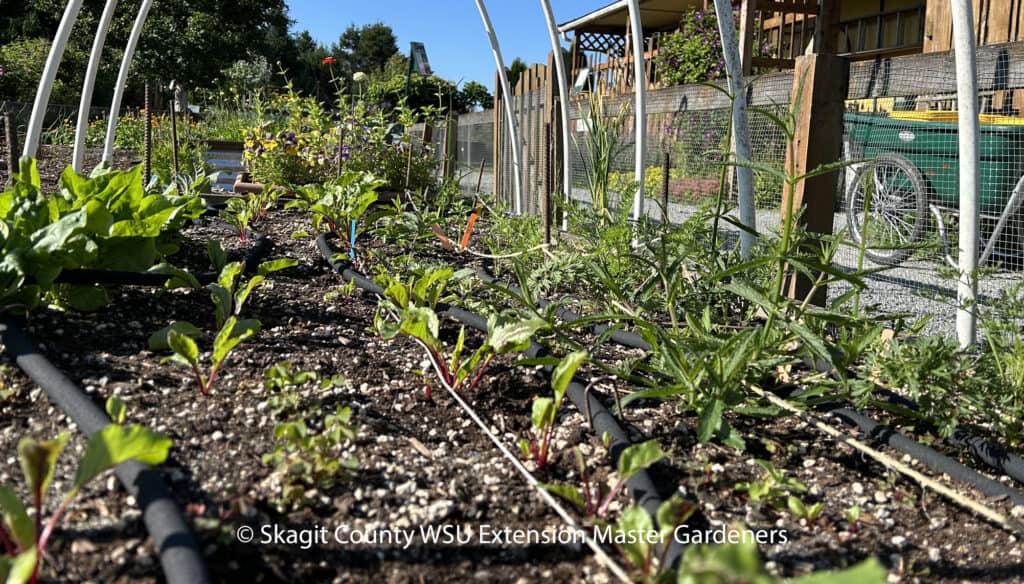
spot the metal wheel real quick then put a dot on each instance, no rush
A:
(897, 211)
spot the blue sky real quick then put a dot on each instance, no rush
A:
(451, 29)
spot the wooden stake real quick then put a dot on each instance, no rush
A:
(818, 140)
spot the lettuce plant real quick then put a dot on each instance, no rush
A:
(228, 300)
(104, 221)
(24, 540)
(545, 409)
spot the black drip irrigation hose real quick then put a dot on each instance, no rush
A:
(989, 453)
(640, 486)
(180, 557)
(928, 456)
(259, 250)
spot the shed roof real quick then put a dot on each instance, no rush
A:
(654, 14)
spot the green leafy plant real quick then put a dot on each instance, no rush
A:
(801, 510)
(283, 378)
(740, 562)
(545, 409)
(407, 308)
(595, 500)
(852, 515)
(306, 461)
(640, 540)
(228, 300)
(25, 540)
(105, 221)
(340, 202)
(774, 487)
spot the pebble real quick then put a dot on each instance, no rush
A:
(898, 541)
(217, 436)
(858, 489)
(881, 497)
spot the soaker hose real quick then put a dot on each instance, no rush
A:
(640, 486)
(261, 247)
(180, 556)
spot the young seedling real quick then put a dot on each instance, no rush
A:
(640, 552)
(306, 460)
(545, 409)
(774, 488)
(25, 540)
(595, 501)
(852, 515)
(408, 309)
(228, 300)
(801, 510)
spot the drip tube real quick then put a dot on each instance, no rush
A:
(180, 556)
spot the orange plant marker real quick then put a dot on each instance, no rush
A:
(469, 231)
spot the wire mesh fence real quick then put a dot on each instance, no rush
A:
(900, 140)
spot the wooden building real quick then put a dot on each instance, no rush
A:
(857, 29)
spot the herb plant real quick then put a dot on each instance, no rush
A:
(307, 461)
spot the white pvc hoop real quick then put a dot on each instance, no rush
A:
(563, 91)
(640, 109)
(60, 41)
(967, 101)
(122, 80)
(82, 125)
(740, 125)
(506, 90)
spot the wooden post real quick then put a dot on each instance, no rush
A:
(818, 140)
(545, 199)
(451, 145)
(747, 10)
(496, 163)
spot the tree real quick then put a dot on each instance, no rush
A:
(478, 95)
(515, 71)
(367, 48)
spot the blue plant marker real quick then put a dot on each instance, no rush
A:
(352, 241)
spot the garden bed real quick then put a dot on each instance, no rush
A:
(422, 461)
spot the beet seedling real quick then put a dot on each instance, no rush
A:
(545, 409)
(25, 540)
(228, 300)
(596, 500)
(407, 308)
(632, 535)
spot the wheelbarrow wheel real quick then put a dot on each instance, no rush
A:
(898, 208)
